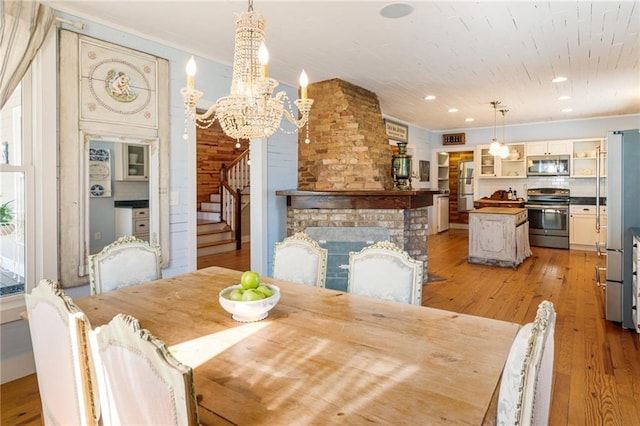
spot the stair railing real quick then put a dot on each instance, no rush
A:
(233, 180)
(238, 173)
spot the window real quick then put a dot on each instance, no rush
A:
(16, 193)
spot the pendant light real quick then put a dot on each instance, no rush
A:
(494, 148)
(504, 151)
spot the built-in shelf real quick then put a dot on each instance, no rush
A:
(443, 171)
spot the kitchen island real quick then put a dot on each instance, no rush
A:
(498, 236)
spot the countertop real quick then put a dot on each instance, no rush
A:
(499, 210)
(588, 201)
(132, 204)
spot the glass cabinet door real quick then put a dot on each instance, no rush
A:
(488, 163)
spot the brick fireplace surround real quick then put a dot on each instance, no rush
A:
(344, 174)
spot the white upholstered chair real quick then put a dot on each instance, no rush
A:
(385, 271)
(125, 262)
(60, 338)
(525, 390)
(141, 383)
(300, 259)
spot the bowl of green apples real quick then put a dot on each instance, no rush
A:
(250, 300)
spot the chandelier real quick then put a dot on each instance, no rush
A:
(250, 110)
(498, 148)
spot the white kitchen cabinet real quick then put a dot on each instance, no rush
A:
(549, 148)
(582, 227)
(583, 159)
(488, 163)
(442, 206)
(132, 221)
(514, 166)
(132, 162)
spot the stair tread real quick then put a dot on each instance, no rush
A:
(216, 243)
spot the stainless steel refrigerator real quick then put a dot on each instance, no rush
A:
(623, 213)
(465, 185)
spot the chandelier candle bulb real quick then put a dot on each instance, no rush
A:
(263, 57)
(304, 82)
(191, 73)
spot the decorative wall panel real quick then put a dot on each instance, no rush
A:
(117, 85)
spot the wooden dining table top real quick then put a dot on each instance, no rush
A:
(321, 356)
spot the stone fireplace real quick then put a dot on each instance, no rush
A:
(349, 148)
(344, 174)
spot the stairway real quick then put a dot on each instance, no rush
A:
(214, 236)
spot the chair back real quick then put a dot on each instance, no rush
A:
(125, 262)
(141, 383)
(525, 390)
(385, 271)
(60, 338)
(300, 259)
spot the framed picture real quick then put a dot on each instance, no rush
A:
(425, 167)
(396, 131)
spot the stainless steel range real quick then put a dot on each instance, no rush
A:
(548, 210)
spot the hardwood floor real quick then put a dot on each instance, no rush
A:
(597, 364)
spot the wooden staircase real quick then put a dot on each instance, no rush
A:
(219, 220)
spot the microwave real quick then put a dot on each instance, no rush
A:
(548, 165)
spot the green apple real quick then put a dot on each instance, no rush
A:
(251, 294)
(265, 290)
(236, 294)
(249, 280)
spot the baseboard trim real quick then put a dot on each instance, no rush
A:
(459, 225)
(17, 367)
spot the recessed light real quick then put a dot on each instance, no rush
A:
(430, 97)
(564, 98)
(469, 119)
(567, 109)
(453, 109)
(559, 79)
(396, 10)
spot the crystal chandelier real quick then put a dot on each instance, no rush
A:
(496, 148)
(249, 111)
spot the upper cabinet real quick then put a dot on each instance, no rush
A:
(443, 171)
(584, 157)
(514, 166)
(488, 163)
(132, 162)
(549, 148)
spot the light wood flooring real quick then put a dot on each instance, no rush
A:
(597, 364)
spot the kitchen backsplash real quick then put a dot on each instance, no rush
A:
(580, 187)
(124, 190)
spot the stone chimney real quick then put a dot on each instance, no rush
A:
(349, 149)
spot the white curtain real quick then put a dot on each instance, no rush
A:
(23, 27)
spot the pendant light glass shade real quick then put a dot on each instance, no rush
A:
(498, 148)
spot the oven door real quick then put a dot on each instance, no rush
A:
(548, 225)
(553, 219)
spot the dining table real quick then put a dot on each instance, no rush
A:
(321, 356)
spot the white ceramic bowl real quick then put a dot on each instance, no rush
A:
(249, 311)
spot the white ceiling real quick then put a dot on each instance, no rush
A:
(466, 53)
